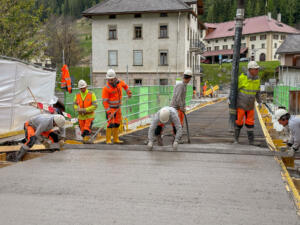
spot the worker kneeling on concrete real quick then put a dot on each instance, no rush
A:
(248, 91)
(293, 123)
(112, 101)
(40, 126)
(179, 94)
(162, 117)
(85, 103)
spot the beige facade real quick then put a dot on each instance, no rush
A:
(147, 49)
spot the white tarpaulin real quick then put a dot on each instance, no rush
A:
(15, 78)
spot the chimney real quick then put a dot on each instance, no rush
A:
(279, 17)
(269, 15)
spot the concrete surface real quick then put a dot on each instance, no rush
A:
(86, 187)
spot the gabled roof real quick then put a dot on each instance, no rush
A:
(107, 7)
(259, 24)
(290, 45)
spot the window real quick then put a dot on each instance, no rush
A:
(208, 49)
(282, 37)
(163, 31)
(225, 40)
(275, 45)
(188, 59)
(163, 81)
(164, 15)
(208, 42)
(243, 37)
(112, 16)
(263, 37)
(232, 46)
(225, 47)
(138, 15)
(276, 36)
(253, 38)
(252, 46)
(263, 45)
(163, 58)
(112, 32)
(216, 48)
(243, 45)
(137, 32)
(138, 82)
(112, 57)
(188, 33)
(137, 57)
(217, 41)
(275, 56)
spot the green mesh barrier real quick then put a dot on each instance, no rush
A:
(145, 100)
(281, 96)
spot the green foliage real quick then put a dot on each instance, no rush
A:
(216, 74)
(224, 10)
(20, 26)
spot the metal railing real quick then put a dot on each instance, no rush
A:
(145, 101)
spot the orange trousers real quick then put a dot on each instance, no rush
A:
(85, 126)
(247, 115)
(30, 133)
(115, 121)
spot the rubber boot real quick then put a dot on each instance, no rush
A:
(237, 132)
(250, 134)
(21, 153)
(86, 139)
(108, 136)
(116, 136)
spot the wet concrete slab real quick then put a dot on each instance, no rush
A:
(80, 187)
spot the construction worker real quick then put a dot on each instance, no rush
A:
(162, 117)
(293, 124)
(179, 94)
(248, 91)
(112, 101)
(85, 103)
(66, 79)
(40, 126)
(204, 89)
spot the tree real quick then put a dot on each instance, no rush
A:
(63, 37)
(20, 29)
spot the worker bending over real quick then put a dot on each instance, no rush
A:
(293, 124)
(179, 95)
(40, 127)
(112, 102)
(162, 117)
(248, 91)
(85, 103)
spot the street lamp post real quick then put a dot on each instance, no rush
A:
(235, 64)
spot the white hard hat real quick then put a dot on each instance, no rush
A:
(188, 72)
(253, 65)
(164, 115)
(111, 74)
(82, 84)
(279, 113)
(59, 120)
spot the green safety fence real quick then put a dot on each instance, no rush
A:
(281, 95)
(145, 100)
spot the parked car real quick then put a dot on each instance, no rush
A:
(207, 61)
(229, 60)
(224, 60)
(244, 59)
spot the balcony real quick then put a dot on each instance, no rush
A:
(197, 46)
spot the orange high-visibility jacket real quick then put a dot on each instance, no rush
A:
(112, 96)
(89, 103)
(66, 79)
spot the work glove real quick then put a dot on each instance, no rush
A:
(129, 93)
(291, 152)
(289, 144)
(182, 109)
(108, 114)
(150, 146)
(175, 145)
(81, 110)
